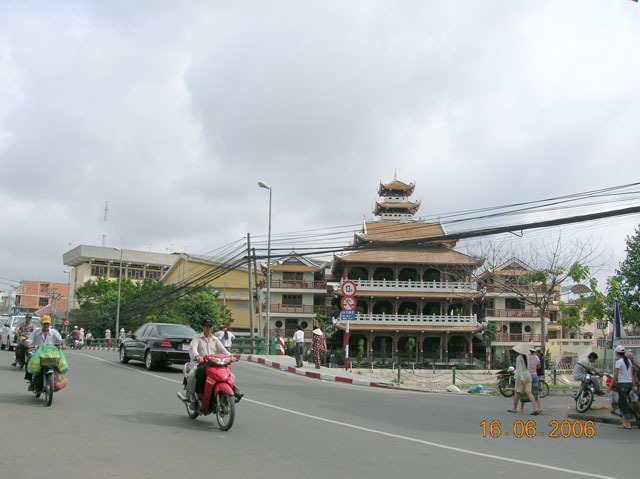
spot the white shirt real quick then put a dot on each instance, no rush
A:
(37, 337)
(624, 373)
(298, 336)
(225, 342)
(201, 346)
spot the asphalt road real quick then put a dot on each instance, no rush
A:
(117, 420)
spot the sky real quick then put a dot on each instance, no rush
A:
(171, 112)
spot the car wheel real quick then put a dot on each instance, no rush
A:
(123, 356)
(148, 362)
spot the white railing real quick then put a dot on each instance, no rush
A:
(418, 320)
(443, 286)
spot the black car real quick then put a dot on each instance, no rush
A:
(158, 343)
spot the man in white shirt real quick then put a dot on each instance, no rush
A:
(225, 336)
(298, 338)
(44, 335)
(202, 345)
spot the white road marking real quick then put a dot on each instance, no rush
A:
(383, 433)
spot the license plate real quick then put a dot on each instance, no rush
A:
(185, 346)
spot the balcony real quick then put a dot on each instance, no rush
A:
(419, 286)
(293, 308)
(295, 284)
(519, 338)
(414, 320)
(511, 289)
(514, 313)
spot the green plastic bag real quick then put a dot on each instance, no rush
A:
(46, 351)
(63, 365)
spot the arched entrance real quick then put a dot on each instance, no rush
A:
(408, 348)
(458, 348)
(383, 274)
(408, 307)
(358, 272)
(431, 275)
(432, 349)
(408, 274)
(432, 308)
(383, 307)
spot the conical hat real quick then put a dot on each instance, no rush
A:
(523, 348)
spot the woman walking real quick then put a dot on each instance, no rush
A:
(623, 381)
(523, 379)
(319, 346)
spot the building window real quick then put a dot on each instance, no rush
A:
(527, 329)
(240, 307)
(98, 270)
(152, 274)
(513, 303)
(292, 299)
(43, 302)
(289, 276)
(602, 324)
(601, 343)
(135, 274)
(114, 271)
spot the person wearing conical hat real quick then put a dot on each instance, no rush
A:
(523, 378)
(319, 346)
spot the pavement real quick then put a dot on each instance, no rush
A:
(600, 410)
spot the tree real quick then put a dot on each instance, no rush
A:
(625, 284)
(534, 275)
(195, 309)
(489, 333)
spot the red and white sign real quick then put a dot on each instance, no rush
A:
(348, 303)
(348, 288)
(66, 322)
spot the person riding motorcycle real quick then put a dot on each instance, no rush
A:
(24, 330)
(44, 335)
(202, 345)
(583, 367)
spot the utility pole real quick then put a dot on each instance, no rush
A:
(258, 294)
(250, 288)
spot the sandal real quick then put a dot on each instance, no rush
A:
(511, 410)
(623, 427)
(535, 413)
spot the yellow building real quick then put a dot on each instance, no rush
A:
(232, 285)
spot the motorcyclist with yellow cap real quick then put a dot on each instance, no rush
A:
(44, 335)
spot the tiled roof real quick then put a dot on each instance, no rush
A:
(422, 255)
(386, 231)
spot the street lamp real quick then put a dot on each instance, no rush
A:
(68, 291)
(267, 187)
(115, 333)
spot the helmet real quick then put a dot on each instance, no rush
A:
(46, 319)
(122, 330)
(75, 327)
(619, 349)
(224, 326)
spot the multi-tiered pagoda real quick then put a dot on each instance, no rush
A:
(411, 283)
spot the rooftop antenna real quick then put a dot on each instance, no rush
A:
(395, 174)
(106, 214)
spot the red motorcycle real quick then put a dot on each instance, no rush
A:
(217, 396)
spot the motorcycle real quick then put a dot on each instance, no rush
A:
(218, 395)
(44, 381)
(584, 397)
(77, 344)
(506, 381)
(20, 361)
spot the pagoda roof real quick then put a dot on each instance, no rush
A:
(292, 268)
(410, 255)
(410, 206)
(391, 232)
(396, 185)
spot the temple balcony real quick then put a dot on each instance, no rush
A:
(414, 320)
(364, 285)
(513, 314)
(517, 338)
(296, 286)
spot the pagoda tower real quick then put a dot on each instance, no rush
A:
(395, 204)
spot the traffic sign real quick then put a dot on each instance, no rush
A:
(348, 303)
(66, 322)
(347, 315)
(348, 288)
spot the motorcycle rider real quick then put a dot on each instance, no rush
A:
(202, 345)
(75, 336)
(25, 329)
(44, 335)
(583, 367)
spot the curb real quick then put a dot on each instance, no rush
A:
(612, 419)
(94, 348)
(313, 374)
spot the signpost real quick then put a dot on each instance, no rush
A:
(348, 305)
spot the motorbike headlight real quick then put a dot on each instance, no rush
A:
(588, 377)
(221, 361)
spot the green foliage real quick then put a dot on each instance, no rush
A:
(490, 332)
(625, 285)
(323, 320)
(149, 301)
(411, 346)
(360, 354)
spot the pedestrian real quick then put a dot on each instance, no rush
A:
(298, 338)
(107, 337)
(534, 362)
(225, 336)
(319, 346)
(623, 381)
(540, 372)
(523, 379)
(89, 337)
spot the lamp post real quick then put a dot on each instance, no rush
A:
(116, 332)
(267, 187)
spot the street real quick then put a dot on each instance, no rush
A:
(116, 420)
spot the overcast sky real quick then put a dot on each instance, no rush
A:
(172, 111)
